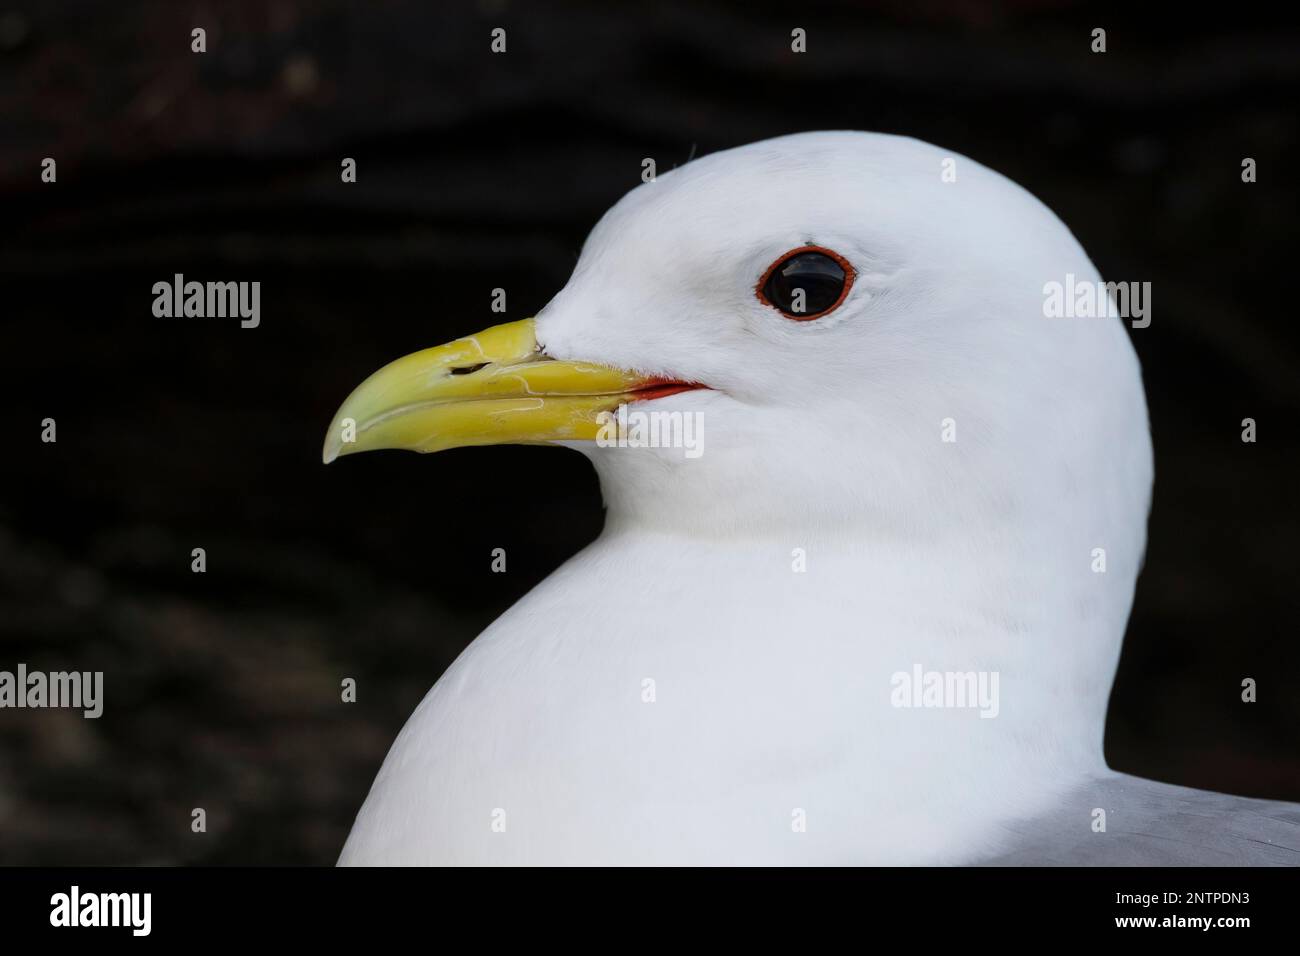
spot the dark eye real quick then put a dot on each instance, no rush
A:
(806, 283)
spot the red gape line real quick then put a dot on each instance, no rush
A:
(661, 388)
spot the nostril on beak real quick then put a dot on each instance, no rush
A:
(469, 369)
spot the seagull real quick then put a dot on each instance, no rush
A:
(875, 616)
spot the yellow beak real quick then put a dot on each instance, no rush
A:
(491, 388)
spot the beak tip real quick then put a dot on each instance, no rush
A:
(331, 449)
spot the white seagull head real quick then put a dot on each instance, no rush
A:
(865, 315)
(932, 393)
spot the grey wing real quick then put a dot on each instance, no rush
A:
(1153, 824)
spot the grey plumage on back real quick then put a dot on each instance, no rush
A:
(1154, 824)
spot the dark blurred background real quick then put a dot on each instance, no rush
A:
(475, 171)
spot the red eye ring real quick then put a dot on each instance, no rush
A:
(849, 275)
